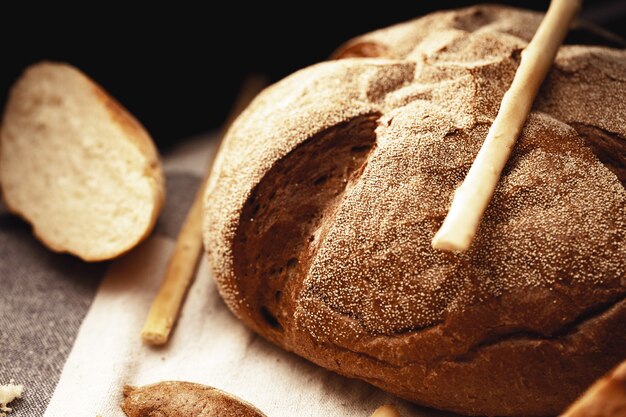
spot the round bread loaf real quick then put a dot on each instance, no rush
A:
(329, 187)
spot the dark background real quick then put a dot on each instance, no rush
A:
(178, 69)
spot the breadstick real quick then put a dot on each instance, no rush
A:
(605, 398)
(472, 197)
(386, 411)
(182, 264)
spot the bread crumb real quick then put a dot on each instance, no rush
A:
(8, 393)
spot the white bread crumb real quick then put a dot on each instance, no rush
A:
(8, 393)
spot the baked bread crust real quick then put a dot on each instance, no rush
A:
(184, 399)
(328, 189)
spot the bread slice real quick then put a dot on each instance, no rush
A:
(184, 399)
(76, 165)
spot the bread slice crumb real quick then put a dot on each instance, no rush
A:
(8, 393)
(76, 165)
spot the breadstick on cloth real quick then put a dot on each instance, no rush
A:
(605, 398)
(182, 264)
(472, 197)
(386, 411)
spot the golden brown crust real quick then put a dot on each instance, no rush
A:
(139, 136)
(326, 252)
(184, 399)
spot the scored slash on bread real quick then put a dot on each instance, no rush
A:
(76, 165)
